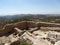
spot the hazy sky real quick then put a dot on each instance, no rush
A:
(29, 6)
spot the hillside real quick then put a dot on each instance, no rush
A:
(29, 17)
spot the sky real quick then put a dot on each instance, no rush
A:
(10, 7)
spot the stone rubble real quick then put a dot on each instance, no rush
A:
(37, 33)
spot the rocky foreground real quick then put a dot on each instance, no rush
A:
(36, 33)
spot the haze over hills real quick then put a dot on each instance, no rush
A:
(28, 15)
(23, 16)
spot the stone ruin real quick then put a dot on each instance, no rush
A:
(20, 25)
(26, 25)
(46, 32)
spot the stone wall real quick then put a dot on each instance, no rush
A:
(26, 25)
(45, 24)
(31, 24)
(7, 28)
(50, 28)
(20, 25)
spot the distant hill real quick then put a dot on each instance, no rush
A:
(23, 16)
(28, 17)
